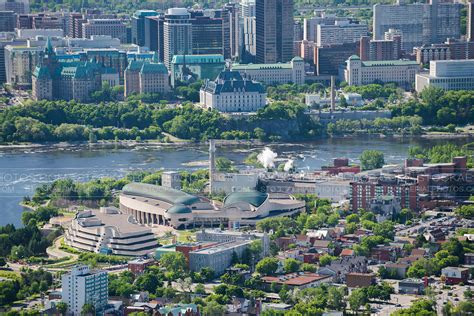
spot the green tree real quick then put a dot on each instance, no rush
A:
(357, 299)
(267, 266)
(88, 309)
(291, 265)
(371, 159)
(62, 308)
(173, 262)
(213, 308)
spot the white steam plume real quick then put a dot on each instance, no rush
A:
(289, 165)
(267, 158)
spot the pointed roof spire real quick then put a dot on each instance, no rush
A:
(49, 46)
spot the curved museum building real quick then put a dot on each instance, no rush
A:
(154, 204)
(110, 231)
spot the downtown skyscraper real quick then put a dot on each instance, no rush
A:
(274, 31)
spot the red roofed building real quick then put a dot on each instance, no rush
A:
(300, 280)
(347, 253)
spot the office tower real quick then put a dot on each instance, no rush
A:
(418, 23)
(340, 32)
(247, 8)
(81, 286)
(7, 21)
(231, 20)
(177, 34)
(112, 27)
(470, 21)
(138, 26)
(274, 31)
(328, 59)
(248, 30)
(17, 6)
(207, 34)
(310, 25)
(380, 49)
(154, 34)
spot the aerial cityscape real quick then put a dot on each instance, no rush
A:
(237, 157)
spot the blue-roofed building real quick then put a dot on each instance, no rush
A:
(189, 68)
(230, 92)
(57, 78)
(158, 205)
(144, 77)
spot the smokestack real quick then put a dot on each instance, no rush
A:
(212, 164)
(333, 95)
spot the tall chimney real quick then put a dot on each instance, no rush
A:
(212, 164)
(333, 95)
(470, 21)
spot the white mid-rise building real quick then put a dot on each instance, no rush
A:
(230, 92)
(279, 73)
(341, 32)
(447, 75)
(84, 286)
(401, 72)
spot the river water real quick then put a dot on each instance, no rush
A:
(21, 170)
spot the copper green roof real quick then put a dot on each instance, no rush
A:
(179, 209)
(41, 73)
(243, 67)
(254, 198)
(154, 68)
(198, 59)
(389, 63)
(169, 195)
(354, 57)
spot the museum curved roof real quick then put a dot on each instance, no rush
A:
(179, 209)
(254, 198)
(158, 192)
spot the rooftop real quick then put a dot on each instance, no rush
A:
(110, 217)
(243, 67)
(295, 279)
(254, 198)
(389, 63)
(169, 195)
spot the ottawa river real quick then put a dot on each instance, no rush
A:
(21, 170)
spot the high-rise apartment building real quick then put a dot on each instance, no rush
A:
(177, 34)
(84, 286)
(418, 23)
(138, 26)
(113, 27)
(7, 21)
(274, 31)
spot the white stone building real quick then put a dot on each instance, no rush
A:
(447, 75)
(401, 72)
(279, 73)
(230, 92)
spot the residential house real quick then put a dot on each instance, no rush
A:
(338, 269)
(355, 279)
